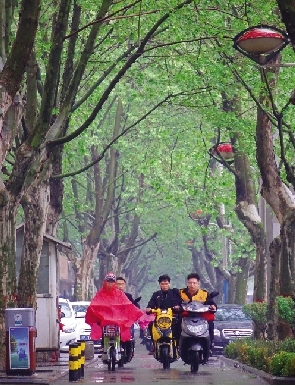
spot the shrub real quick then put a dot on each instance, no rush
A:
(256, 311)
(276, 358)
(287, 345)
(283, 364)
(231, 351)
(286, 308)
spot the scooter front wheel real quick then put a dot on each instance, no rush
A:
(165, 357)
(112, 362)
(195, 361)
(149, 344)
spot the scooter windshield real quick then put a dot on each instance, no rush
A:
(195, 307)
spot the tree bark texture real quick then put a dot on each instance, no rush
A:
(85, 268)
(35, 205)
(242, 280)
(247, 212)
(8, 295)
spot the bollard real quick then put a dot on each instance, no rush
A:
(82, 356)
(89, 350)
(73, 362)
(79, 359)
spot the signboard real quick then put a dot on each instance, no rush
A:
(19, 356)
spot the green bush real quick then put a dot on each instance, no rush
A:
(231, 351)
(276, 358)
(283, 364)
(286, 308)
(256, 311)
(287, 345)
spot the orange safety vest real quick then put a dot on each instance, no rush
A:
(200, 296)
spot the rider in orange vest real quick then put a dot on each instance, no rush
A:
(193, 292)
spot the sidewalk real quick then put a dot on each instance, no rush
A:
(46, 373)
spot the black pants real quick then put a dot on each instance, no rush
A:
(211, 332)
(141, 333)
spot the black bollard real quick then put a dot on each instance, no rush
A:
(83, 344)
(79, 359)
(73, 362)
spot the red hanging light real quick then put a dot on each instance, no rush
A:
(225, 150)
(222, 151)
(261, 43)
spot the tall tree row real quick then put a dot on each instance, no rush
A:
(62, 64)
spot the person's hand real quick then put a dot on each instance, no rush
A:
(148, 310)
(212, 307)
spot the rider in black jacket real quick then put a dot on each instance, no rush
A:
(165, 298)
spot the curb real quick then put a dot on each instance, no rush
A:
(271, 379)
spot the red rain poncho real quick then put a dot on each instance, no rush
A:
(111, 306)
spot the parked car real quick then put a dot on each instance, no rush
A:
(84, 329)
(80, 308)
(230, 323)
(69, 332)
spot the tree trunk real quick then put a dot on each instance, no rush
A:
(247, 212)
(242, 280)
(287, 266)
(274, 288)
(8, 297)
(107, 264)
(84, 270)
(232, 289)
(35, 204)
(56, 196)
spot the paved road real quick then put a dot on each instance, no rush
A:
(145, 370)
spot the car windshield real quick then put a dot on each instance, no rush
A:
(80, 307)
(65, 308)
(223, 314)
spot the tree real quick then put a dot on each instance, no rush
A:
(39, 144)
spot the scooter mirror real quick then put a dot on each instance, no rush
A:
(213, 294)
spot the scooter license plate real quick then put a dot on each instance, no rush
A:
(85, 337)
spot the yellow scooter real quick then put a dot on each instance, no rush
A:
(165, 344)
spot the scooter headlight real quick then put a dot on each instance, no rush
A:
(164, 322)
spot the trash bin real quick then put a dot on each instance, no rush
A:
(20, 326)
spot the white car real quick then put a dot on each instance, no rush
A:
(69, 332)
(84, 329)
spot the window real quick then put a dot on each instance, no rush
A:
(65, 308)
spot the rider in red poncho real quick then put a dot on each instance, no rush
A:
(111, 306)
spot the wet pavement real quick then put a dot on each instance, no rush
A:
(145, 370)
(142, 370)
